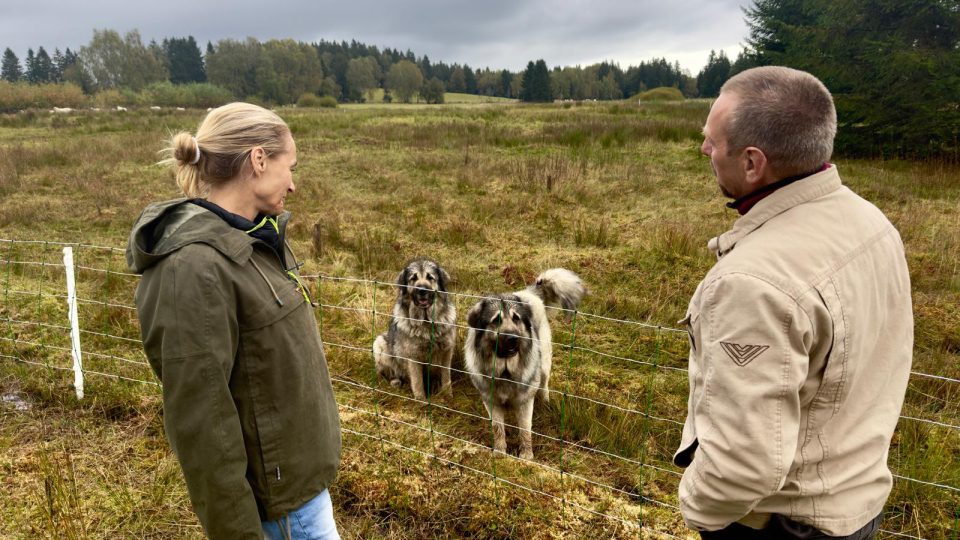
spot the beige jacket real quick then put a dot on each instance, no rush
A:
(801, 340)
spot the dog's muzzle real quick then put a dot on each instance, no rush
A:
(507, 346)
(422, 298)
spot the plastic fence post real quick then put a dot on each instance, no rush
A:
(6, 291)
(74, 322)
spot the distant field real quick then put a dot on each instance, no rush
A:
(496, 192)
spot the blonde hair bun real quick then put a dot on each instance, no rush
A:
(184, 148)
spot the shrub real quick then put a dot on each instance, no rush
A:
(17, 96)
(113, 97)
(308, 99)
(199, 95)
(662, 93)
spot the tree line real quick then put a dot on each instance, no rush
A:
(279, 71)
(893, 67)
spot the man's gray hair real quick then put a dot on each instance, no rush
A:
(786, 113)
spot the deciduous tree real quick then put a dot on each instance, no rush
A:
(404, 80)
(113, 62)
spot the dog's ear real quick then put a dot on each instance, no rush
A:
(442, 279)
(402, 279)
(476, 317)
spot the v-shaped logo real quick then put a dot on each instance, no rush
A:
(743, 354)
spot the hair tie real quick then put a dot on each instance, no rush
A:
(196, 156)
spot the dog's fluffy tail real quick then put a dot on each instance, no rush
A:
(559, 287)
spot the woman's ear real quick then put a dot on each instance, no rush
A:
(258, 160)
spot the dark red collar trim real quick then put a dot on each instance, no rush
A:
(745, 203)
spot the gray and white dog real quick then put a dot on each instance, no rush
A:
(508, 350)
(422, 332)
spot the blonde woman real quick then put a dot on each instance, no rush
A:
(229, 329)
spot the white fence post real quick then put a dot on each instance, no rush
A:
(74, 322)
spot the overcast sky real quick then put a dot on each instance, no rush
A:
(493, 33)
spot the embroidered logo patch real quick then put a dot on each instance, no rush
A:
(743, 354)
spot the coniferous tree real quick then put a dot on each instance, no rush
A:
(10, 71)
(536, 83)
(425, 67)
(505, 79)
(184, 60)
(70, 71)
(713, 75)
(45, 70)
(57, 74)
(894, 75)
(30, 71)
(470, 79)
(745, 60)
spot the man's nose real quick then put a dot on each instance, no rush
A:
(705, 148)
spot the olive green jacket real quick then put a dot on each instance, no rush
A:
(247, 401)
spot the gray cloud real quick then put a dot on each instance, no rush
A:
(495, 33)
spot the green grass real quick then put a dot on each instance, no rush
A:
(496, 193)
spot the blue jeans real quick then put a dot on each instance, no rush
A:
(312, 521)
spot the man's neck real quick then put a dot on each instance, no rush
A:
(743, 204)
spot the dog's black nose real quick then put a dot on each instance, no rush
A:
(507, 345)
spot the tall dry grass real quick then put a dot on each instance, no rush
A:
(616, 192)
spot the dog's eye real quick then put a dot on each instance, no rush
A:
(430, 277)
(516, 318)
(497, 320)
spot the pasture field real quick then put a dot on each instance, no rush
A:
(496, 192)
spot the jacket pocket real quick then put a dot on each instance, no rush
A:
(689, 442)
(832, 389)
(688, 323)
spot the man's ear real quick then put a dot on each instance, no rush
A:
(756, 168)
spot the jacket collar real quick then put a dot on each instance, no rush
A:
(783, 199)
(167, 226)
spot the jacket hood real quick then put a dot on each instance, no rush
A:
(165, 227)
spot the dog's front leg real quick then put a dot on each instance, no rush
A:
(446, 362)
(525, 423)
(499, 434)
(415, 372)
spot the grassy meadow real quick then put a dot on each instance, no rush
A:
(496, 192)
